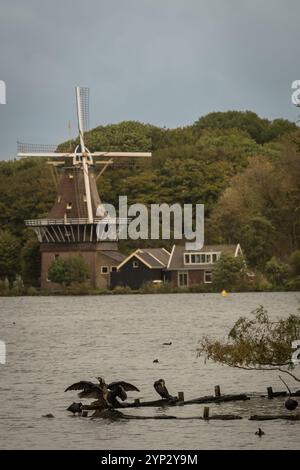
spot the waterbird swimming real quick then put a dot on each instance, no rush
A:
(260, 432)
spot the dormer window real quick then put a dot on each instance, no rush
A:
(135, 264)
(201, 258)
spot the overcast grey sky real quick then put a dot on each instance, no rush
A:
(166, 62)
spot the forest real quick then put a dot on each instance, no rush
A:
(243, 168)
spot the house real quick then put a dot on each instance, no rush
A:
(143, 266)
(186, 268)
(101, 262)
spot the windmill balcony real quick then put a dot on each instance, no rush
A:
(69, 221)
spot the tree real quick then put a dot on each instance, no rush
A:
(261, 130)
(295, 262)
(229, 272)
(68, 271)
(31, 261)
(277, 272)
(9, 255)
(256, 343)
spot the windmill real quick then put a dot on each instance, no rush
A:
(71, 225)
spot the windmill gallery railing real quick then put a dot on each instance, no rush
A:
(68, 230)
(69, 221)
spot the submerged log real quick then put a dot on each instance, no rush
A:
(272, 394)
(176, 402)
(117, 415)
(272, 417)
(221, 399)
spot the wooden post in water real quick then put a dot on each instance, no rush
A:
(137, 401)
(181, 396)
(84, 414)
(270, 392)
(217, 391)
(206, 412)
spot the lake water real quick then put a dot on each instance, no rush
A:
(56, 341)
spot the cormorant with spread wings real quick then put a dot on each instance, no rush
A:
(106, 394)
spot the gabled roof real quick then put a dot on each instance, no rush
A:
(153, 258)
(176, 260)
(115, 255)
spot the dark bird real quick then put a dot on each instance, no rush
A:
(167, 344)
(104, 394)
(75, 408)
(260, 432)
(118, 390)
(161, 389)
(49, 415)
(290, 403)
(89, 389)
(156, 361)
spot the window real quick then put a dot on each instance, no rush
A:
(207, 277)
(84, 198)
(182, 279)
(113, 269)
(201, 258)
(71, 176)
(135, 264)
(69, 206)
(104, 269)
(58, 199)
(56, 256)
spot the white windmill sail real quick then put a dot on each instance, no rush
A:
(82, 97)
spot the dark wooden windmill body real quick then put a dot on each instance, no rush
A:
(72, 226)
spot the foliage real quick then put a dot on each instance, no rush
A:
(277, 272)
(244, 169)
(229, 272)
(261, 130)
(31, 261)
(295, 262)
(9, 255)
(68, 271)
(18, 287)
(255, 343)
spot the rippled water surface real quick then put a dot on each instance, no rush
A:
(56, 341)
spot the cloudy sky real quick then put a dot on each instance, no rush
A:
(166, 62)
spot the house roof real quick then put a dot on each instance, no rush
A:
(153, 258)
(115, 255)
(176, 260)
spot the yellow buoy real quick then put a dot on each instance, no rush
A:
(224, 293)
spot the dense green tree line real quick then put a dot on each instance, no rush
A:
(246, 170)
